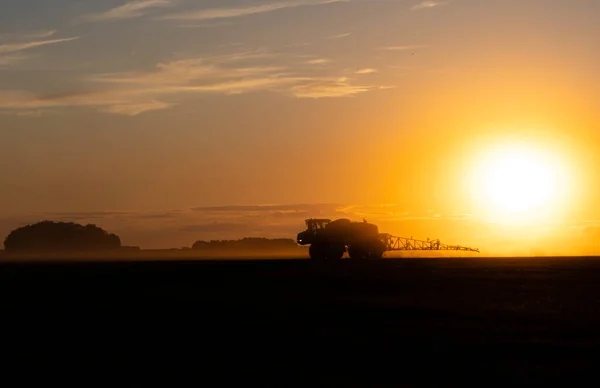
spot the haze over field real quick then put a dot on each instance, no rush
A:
(170, 121)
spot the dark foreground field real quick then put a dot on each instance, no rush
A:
(406, 322)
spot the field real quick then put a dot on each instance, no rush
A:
(408, 322)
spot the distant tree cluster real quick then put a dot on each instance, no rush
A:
(48, 236)
(249, 243)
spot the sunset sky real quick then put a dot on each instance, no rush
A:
(168, 121)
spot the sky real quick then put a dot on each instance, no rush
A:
(171, 121)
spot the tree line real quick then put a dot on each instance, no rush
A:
(248, 243)
(50, 236)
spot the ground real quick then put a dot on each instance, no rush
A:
(409, 322)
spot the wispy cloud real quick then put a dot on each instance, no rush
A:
(338, 36)
(14, 47)
(365, 71)
(31, 35)
(137, 92)
(242, 86)
(25, 113)
(134, 109)
(269, 208)
(11, 60)
(320, 61)
(427, 4)
(204, 25)
(233, 12)
(130, 10)
(340, 87)
(134, 93)
(39, 34)
(186, 72)
(121, 102)
(402, 48)
(31, 113)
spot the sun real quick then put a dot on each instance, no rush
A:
(517, 181)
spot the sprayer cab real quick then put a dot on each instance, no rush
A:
(313, 226)
(331, 239)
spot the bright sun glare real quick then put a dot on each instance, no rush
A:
(518, 181)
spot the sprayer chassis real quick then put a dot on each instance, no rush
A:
(329, 240)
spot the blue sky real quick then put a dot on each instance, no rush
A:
(127, 58)
(83, 41)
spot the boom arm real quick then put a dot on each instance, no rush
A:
(394, 243)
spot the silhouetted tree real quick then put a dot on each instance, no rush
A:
(248, 243)
(60, 236)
